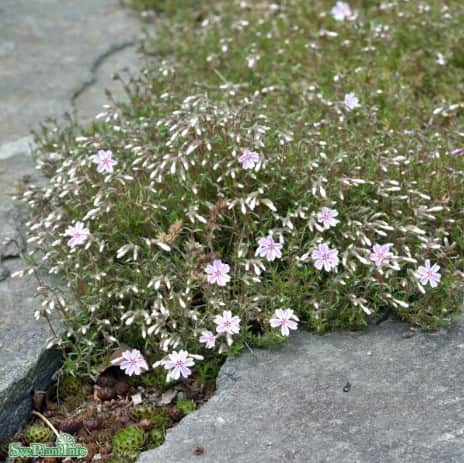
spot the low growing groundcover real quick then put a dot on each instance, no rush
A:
(285, 165)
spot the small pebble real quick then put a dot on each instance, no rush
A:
(199, 450)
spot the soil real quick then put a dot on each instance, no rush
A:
(93, 412)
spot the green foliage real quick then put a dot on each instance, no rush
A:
(267, 340)
(156, 415)
(186, 406)
(37, 433)
(209, 369)
(128, 441)
(156, 438)
(69, 386)
(155, 379)
(271, 77)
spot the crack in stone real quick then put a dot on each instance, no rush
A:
(4, 273)
(99, 61)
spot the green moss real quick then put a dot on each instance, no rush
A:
(128, 442)
(156, 415)
(69, 386)
(186, 406)
(156, 438)
(37, 433)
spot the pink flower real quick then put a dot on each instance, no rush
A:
(227, 324)
(78, 234)
(351, 101)
(208, 339)
(131, 362)
(429, 274)
(457, 152)
(342, 11)
(104, 161)
(325, 257)
(269, 248)
(177, 364)
(381, 254)
(327, 218)
(218, 273)
(286, 320)
(248, 158)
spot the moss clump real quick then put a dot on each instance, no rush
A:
(159, 419)
(157, 416)
(186, 406)
(128, 441)
(70, 386)
(156, 438)
(123, 459)
(38, 434)
(140, 412)
(154, 379)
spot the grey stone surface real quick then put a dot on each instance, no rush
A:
(56, 56)
(49, 52)
(90, 100)
(24, 363)
(405, 405)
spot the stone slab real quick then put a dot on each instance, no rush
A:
(90, 100)
(25, 364)
(287, 404)
(48, 53)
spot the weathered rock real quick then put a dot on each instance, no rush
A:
(52, 55)
(4, 272)
(288, 404)
(123, 62)
(25, 364)
(49, 52)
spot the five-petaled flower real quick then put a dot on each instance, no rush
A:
(429, 274)
(218, 273)
(208, 339)
(381, 254)
(248, 158)
(104, 161)
(131, 362)
(342, 11)
(177, 364)
(327, 218)
(325, 257)
(78, 233)
(351, 101)
(269, 248)
(285, 319)
(227, 325)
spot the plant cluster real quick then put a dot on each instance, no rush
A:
(284, 164)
